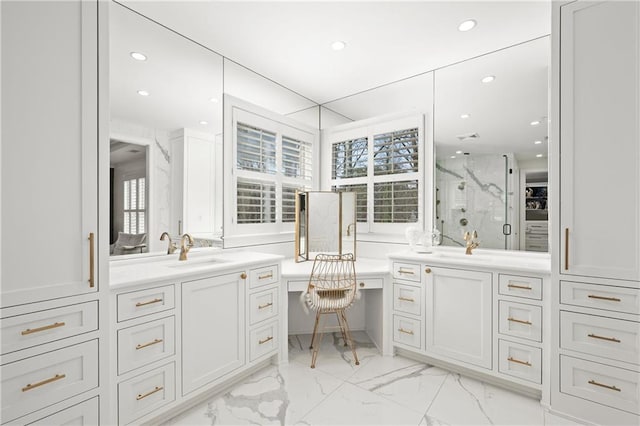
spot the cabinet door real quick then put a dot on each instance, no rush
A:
(600, 139)
(458, 315)
(49, 148)
(213, 329)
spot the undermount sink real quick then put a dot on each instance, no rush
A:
(201, 261)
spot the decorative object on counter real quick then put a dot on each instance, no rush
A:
(184, 248)
(332, 289)
(472, 241)
(171, 247)
(413, 235)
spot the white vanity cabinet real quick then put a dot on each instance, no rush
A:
(595, 214)
(52, 309)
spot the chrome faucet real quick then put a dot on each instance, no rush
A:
(184, 248)
(172, 247)
(472, 241)
(349, 228)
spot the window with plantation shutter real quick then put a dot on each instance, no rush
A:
(134, 206)
(383, 169)
(272, 158)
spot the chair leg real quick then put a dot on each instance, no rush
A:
(315, 328)
(344, 334)
(316, 347)
(349, 337)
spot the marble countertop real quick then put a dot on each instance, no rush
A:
(202, 261)
(365, 267)
(517, 261)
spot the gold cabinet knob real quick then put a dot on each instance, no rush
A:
(361, 284)
(243, 276)
(427, 270)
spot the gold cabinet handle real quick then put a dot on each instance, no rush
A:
(148, 303)
(265, 276)
(362, 284)
(519, 321)
(613, 388)
(406, 299)
(142, 396)
(91, 260)
(402, 330)
(44, 382)
(43, 328)
(612, 299)
(608, 339)
(521, 287)
(566, 249)
(243, 276)
(144, 345)
(427, 270)
(404, 271)
(517, 361)
(266, 305)
(261, 342)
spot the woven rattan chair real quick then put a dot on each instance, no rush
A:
(331, 290)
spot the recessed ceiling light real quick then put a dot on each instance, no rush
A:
(338, 45)
(465, 115)
(537, 142)
(539, 155)
(204, 123)
(143, 93)
(138, 56)
(214, 100)
(489, 79)
(535, 122)
(467, 25)
(453, 156)
(458, 152)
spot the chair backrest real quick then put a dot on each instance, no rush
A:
(332, 282)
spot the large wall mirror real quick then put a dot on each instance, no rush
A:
(490, 141)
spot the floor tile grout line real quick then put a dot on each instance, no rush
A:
(436, 395)
(320, 402)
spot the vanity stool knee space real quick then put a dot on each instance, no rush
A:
(331, 290)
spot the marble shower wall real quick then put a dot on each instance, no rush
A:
(471, 196)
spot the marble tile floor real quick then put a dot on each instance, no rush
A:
(379, 391)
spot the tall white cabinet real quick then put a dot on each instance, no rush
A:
(596, 211)
(50, 289)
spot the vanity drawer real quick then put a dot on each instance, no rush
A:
(518, 286)
(84, 413)
(146, 393)
(145, 343)
(407, 299)
(370, 283)
(263, 340)
(145, 302)
(609, 298)
(606, 337)
(522, 361)
(263, 305)
(406, 271)
(37, 382)
(520, 320)
(263, 276)
(407, 331)
(36, 328)
(611, 386)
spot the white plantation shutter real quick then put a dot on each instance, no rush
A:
(256, 149)
(395, 202)
(134, 206)
(297, 161)
(349, 158)
(256, 201)
(361, 199)
(395, 152)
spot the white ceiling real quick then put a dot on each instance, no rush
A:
(289, 42)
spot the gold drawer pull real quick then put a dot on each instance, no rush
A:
(613, 388)
(406, 299)
(361, 284)
(612, 299)
(264, 277)
(608, 339)
(522, 287)
(519, 321)
(404, 271)
(427, 270)
(243, 276)
(43, 328)
(402, 330)
(261, 342)
(91, 260)
(566, 249)
(142, 396)
(144, 345)
(44, 382)
(517, 361)
(148, 303)
(266, 305)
